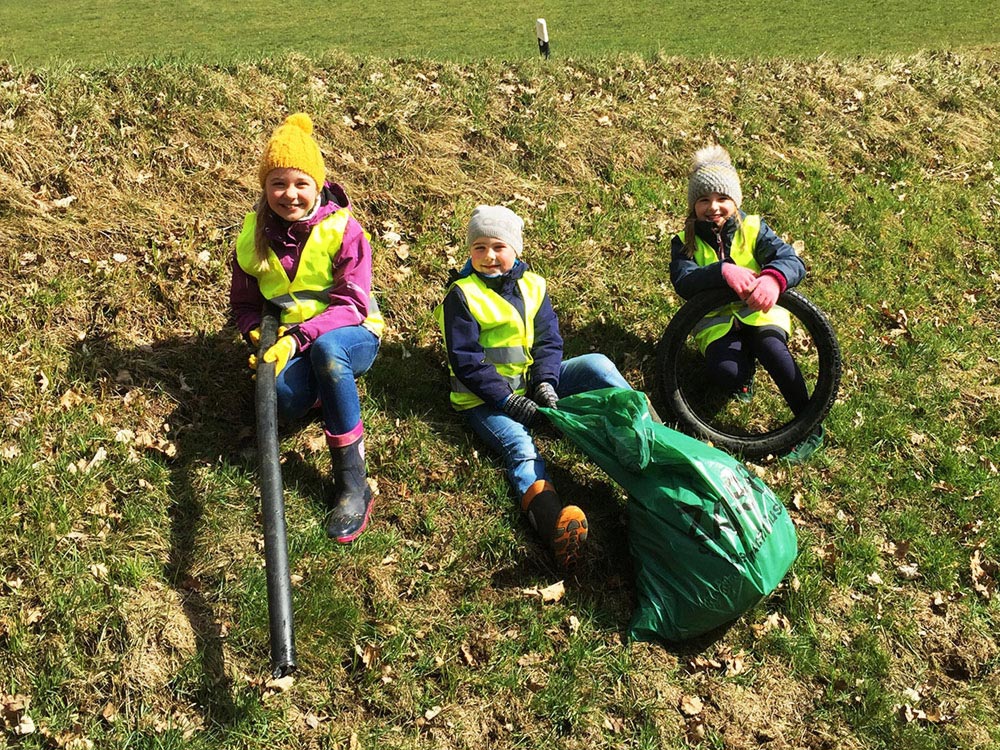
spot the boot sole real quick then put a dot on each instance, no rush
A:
(569, 536)
(348, 538)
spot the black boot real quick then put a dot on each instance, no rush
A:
(352, 500)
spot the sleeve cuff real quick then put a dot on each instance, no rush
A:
(778, 276)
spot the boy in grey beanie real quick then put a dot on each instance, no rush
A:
(505, 360)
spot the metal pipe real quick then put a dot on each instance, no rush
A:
(272, 505)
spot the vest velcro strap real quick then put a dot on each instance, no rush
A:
(506, 355)
(517, 383)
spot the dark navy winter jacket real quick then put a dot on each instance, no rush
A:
(775, 257)
(466, 356)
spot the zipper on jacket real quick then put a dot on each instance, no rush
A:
(721, 249)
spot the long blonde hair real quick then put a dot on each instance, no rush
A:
(260, 244)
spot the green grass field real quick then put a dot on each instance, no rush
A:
(132, 590)
(113, 31)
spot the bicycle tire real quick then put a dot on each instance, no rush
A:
(773, 442)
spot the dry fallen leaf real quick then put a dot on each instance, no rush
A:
(25, 725)
(549, 594)
(774, 621)
(70, 399)
(280, 684)
(983, 572)
(368, 654)
(694, 729)
(690, 705)
(614, 724)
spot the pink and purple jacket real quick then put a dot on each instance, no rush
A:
(352, 271)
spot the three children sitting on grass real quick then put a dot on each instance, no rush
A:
(302, 251)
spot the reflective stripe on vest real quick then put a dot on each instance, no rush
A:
(506, 338)
(308, 294)
(717, 323)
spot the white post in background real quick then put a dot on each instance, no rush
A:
(542, 32)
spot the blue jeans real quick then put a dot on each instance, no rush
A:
(512, 441)
(326, 371)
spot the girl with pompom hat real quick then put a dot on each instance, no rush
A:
(303, 252)
(722, 246)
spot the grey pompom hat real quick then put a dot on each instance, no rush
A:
(496, 221)
(712, 171)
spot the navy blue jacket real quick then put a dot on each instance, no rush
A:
(775, 257)
(466, 356)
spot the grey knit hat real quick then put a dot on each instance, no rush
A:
(496, 221)
(712, 172)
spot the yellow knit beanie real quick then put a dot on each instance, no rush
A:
(292, 145)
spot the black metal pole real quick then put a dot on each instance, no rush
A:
(272, 506)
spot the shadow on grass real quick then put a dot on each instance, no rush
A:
(416, 385)
(212, 419)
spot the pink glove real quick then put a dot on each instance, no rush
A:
(765, 294)
(741, 280)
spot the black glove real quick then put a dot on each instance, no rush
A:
(520, 408)
(545, 395)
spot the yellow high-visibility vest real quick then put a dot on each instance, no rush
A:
(506, 338)
(308, 294)
(717, 323)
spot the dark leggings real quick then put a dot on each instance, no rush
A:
(731, 362)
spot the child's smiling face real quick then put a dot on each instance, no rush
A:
(492, 257)
(291, 193)
(715, 208)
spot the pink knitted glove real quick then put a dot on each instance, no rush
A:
(741, 280)
(765, 294)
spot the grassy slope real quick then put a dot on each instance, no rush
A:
(142, 30)
(133, 580)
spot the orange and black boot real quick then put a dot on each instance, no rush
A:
(564, 529)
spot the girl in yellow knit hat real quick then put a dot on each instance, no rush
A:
(303, 252)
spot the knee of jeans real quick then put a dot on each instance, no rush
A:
(522, 453)
(604, 368)
(334, 371)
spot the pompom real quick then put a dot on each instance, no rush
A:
(302, 121)
(710, 155)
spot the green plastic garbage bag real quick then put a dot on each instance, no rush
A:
(708, 538)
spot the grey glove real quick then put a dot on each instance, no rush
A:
(520, 408)
(545, 395)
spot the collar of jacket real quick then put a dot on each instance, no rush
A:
(499, 284)
(706, 230)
